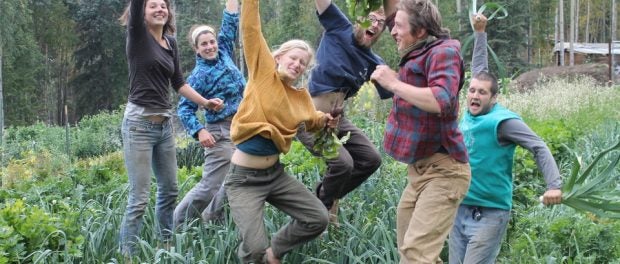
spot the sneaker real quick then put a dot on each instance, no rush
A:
(333, 214)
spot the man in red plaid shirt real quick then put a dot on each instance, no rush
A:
(422, 128)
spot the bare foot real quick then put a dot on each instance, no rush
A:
(271, 258)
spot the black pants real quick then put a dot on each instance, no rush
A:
(358, 158)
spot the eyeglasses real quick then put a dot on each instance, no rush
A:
(373, 19)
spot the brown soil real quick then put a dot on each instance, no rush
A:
(525, 81)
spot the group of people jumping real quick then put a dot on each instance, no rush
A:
(459, 172)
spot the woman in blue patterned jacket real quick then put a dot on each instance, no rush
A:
(214, 76)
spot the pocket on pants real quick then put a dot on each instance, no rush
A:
(235, 179)
(453, 179)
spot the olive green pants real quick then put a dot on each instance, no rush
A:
(248, 189)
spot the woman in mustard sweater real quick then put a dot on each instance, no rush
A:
(264, 126)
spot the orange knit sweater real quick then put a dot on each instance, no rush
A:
(269, 107)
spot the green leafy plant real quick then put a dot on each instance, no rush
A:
(359, 9)
(327, 141)
(595, 191)
(497, 12)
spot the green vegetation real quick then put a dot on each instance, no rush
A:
(59, 207)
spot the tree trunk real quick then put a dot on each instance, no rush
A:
(613, 21)
(613, 35)
(561, 27)
(572, 34)
(529, 36)
(577, 22)
(1, 112)
(556, 34)
(586, 37)
(459, 8)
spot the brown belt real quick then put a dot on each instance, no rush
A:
(155, 119)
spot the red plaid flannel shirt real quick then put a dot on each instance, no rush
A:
(412, 134)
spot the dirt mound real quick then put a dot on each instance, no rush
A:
(525, 81)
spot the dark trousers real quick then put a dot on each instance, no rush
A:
(358, 158)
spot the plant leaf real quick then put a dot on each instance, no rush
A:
(586, 173)
(575, 168)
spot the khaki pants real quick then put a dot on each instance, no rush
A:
(248, 189)
(436, 186)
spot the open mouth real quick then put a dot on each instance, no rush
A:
(474, 105)
(370, 33)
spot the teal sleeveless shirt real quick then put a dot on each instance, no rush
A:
(491, 163)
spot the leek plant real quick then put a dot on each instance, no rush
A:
(497, 11)
(596, 189)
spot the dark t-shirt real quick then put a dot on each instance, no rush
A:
(152, 68)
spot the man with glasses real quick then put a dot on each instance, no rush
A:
(345, 62)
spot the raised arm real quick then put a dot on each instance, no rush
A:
(389, 6)
(255, 49)
(322, 5)
(230, 27)
(232, 6)
(480, 57)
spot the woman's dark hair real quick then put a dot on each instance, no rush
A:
(169, 27)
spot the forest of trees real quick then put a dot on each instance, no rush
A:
(70, 54)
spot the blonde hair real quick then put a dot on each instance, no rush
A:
(196, 31)
(295, 44)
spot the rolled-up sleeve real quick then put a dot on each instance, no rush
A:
(444, 77)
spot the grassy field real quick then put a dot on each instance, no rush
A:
(62, 198)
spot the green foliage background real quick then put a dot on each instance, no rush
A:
(66, 207)
(63, 191)
(58, 53)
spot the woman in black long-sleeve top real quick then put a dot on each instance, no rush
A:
(148, 139)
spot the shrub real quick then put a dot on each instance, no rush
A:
(98, 134)
(34, 166)
(29, 229)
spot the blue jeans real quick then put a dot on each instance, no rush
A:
(477, 234)
(148, 147)
(208, 197)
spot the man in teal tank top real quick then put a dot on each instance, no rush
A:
(491, 133)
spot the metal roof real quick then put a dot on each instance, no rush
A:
(589, 48)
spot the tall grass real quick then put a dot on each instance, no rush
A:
(580, 99)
